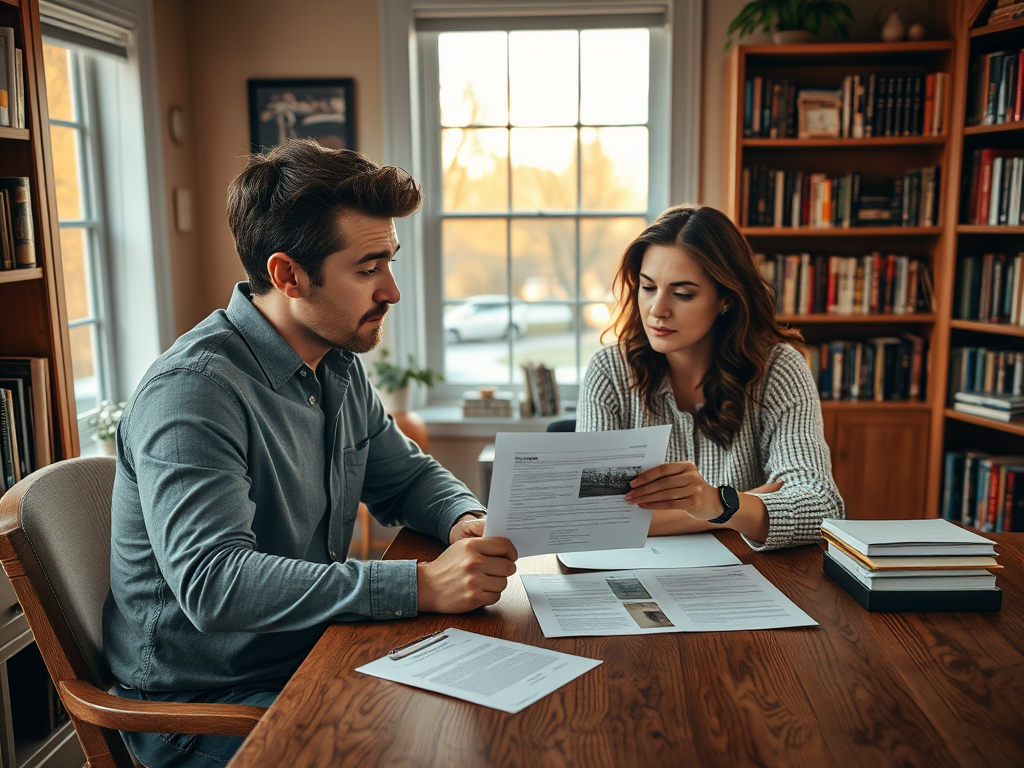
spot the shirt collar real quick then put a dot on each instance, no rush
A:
(276, 357)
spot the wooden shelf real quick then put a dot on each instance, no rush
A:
(994, 28)
(15, 3)
(985, 229)
(20, 275)
(910, 317)
(980, 130)
(872, 405)
(996, 328)
(830, 50)
(845, 231)
(19, 134)
(872, 143)
(1003, 426)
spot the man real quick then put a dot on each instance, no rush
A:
(244, 453)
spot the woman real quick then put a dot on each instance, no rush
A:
(699, 348)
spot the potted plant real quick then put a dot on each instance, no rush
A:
(105, 420)
(790, 21)
(393, 381)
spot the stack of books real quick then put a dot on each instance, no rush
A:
(990, 405)
(487, 403)
(912, 565)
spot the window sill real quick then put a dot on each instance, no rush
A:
(448, 421)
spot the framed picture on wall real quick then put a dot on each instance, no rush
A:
(320, 108)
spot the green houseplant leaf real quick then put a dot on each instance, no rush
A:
(784, 15)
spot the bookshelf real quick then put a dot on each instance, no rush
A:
(880, 449)
(957, 432)
(34, 324)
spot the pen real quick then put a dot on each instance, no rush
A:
(416, 645)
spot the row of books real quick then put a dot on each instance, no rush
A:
(540, 391)
(1006, 10)
(17, 233)
(990, 370)
(848, 285)
(487, 403)
(990, 288)
(24, 417)
(912, 565)
(866, 106)
(12, 81)
(998, 407)
(876, 369)
(994, 92)
(776, 198)
(992, 188)
(983, 491)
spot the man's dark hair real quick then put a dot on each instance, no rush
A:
(289, 200)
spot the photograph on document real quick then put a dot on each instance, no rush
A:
(648, 615)
(606, 481)
(628, 588)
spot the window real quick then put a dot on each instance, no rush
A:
(82, 235)
(542, 141)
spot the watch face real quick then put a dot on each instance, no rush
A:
(730, 499)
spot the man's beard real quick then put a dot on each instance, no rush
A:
(359, 342)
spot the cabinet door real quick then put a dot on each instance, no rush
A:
(880, 462)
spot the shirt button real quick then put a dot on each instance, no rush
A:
(334, 554)
(302, 373)
(398, 613)
(312, 399)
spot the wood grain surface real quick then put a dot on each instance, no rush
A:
(862, 689)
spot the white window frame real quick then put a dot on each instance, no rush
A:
(417, 326)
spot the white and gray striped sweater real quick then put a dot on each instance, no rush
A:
(780, 440)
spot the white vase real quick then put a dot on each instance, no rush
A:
(397, 401)
(894, 28)
(791, 36)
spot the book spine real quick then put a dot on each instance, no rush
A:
(20, 198)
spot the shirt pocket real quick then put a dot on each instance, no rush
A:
(354, 468)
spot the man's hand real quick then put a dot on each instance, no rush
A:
(471, 573)
(469, 526)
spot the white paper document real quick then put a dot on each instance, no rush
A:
(690, 551)
(484, 670)
(564, 491)
(715, 599)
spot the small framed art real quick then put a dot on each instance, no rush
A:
(818, 114)
(320, 109)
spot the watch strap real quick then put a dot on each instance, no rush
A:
(729, 508)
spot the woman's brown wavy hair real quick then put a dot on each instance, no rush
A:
(743, 337)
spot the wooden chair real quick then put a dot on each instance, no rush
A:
(55, 547)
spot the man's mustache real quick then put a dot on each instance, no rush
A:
(377, 314)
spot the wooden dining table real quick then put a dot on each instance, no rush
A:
(861, 689)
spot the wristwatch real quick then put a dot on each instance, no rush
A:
(730, 504)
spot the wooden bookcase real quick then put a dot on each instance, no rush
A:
(880, 450)
(954, 430)
(33, 322)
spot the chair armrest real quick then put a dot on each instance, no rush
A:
(88, 703)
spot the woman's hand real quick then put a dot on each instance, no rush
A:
(675, 485)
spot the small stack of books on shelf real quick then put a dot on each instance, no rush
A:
(990, 288)
(878, 369)
(848, 285)
(985, 370)
(24, 418)
(912, 565)
(17, 234)
(771, 197)
(12, 81)
(992, 188)
(983, 492)
(990, 406)
(540, 391)
(1006, 10)
(864, 106)
(487, 403)
(994, 89)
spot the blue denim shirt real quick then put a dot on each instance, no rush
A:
(239, 475)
